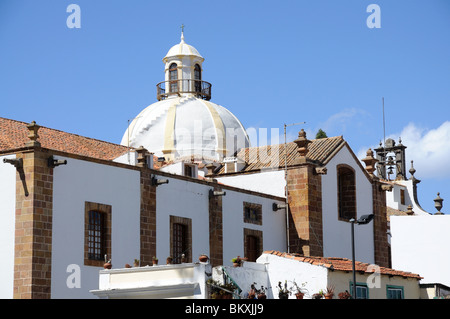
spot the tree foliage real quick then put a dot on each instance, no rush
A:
(321, 134)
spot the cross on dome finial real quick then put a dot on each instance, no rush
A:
(182, 32)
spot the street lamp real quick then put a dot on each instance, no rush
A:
(363, 220)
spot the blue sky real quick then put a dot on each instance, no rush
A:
(270, 62)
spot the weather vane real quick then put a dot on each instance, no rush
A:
(182, 27)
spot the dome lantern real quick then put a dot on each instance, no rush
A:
(183, 73)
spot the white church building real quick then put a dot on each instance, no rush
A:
(183, 182)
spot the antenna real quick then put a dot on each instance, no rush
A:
(384, 127)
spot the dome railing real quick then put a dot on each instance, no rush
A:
(200, 89)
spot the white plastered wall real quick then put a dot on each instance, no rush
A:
(190, 200)
(419, 244)
(74, 184)
(7, 226)
(185, 199)
(273, 224)
(337, 233)
(268, 182)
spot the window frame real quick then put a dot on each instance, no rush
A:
(104, 211)
(189, 168)
(391, 288)
(257, 208)
(348, 171)
(361, 286)
(197, 79)
(402, 197)
(173, 82)
(187, 223)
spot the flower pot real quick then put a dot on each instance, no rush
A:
(262, 296)
(299, 295)
(155, 262)
(169, 260)
(203, 258)
(107, 265)
(283, 296)
(329, 296)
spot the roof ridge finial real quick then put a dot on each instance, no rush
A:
(182, 33)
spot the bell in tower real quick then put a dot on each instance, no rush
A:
(388, 162)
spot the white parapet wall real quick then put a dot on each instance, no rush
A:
(186, 281)
(419, 244)
(7, 226)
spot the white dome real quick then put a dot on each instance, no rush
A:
(186, 126)
(182, 49)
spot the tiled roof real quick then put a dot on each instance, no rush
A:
(394, 212)
(342, 264)
(273, 156)
(14, 135)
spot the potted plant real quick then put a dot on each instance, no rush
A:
(169, 260)
(107, 264)
(155, 261)
(299, 294)
(283, 292)
(252, 292)
(237, 261)
(261, 294)
(318, 295)
(329, 292)
(136, 263)
(219, 290)
(344, 295)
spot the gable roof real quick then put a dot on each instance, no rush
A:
(273, 156)
(342, 264)
(14, 135)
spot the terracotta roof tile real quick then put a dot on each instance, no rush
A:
(14, 135)
(344, 264)
(273, 156)
(394, 212)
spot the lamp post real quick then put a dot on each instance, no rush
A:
(363, 220)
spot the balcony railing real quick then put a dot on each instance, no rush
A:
(200, 89)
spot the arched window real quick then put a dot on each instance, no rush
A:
(346, 192)
(173, 77)
(197, 78)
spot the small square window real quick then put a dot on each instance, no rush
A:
(188, 170)
(361, 291)
(394, 293)
(252, 213)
